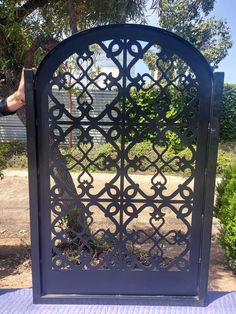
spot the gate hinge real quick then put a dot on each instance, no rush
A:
(199, 260)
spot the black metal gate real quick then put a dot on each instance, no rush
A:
(121, 192)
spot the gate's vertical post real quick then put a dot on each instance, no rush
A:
(33, 181)
(213, 135)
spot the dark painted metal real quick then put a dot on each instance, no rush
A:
(121, 275)
(32, 149)
(213, 134)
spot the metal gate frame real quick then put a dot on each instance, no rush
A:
(209, 180)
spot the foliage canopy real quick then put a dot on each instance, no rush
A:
(190, 20)
(30, 28)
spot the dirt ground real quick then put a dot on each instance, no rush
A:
(15, 264)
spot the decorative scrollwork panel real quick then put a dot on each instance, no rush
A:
(124, 124)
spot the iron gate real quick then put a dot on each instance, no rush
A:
(128, 215)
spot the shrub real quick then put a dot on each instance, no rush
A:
(171, 101)
(3, 161)
(223, 161)
(8, 151)
(225, 211)
(19, 161)
(13, 155)
(228, 114)
(161, 104)
(226, 156)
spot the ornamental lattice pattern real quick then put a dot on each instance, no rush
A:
(126, 211)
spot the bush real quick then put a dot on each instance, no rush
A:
(3, 161)
(228, 114)
(226, 156)
(18, 161)
(161, 104)
(14, 149)
(172, 101)
(223, 161)
(225, 211)
(13, 155)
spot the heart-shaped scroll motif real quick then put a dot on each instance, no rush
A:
(129, 129)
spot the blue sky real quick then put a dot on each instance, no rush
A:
(223, 9)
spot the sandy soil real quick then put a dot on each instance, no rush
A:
(15, 265)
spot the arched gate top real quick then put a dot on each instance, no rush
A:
(168, 40)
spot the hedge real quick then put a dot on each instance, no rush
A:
(228, 114)
(175, 100)
(8, 151)
(225, 211)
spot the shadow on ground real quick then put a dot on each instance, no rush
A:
(12, 257)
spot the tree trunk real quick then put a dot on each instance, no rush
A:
(72, 10)
(63, 180)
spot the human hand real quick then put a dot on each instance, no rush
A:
(17, 99)
(20, 93)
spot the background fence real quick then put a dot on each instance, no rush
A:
(11, 128)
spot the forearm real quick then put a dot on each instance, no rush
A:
(14, 102)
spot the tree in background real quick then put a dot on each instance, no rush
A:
(190, 20)
(28, 29)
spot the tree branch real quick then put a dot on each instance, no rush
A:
(46, 46)
(29, 7)
(29, 56)
(72, 11)
(3, 39)
(26, 9)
